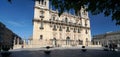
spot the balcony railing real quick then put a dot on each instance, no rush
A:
(62, 23)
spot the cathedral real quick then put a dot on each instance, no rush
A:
(49, 29)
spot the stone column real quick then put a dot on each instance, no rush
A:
(14, 40)
(17, 41)
(98, 43)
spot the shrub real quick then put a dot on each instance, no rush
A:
(5, 48)
(47, 47)
(83, 46)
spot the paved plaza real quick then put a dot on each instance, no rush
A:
(64, 52)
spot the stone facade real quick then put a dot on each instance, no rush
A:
(107, 38)
(7, 37)
(66, 30)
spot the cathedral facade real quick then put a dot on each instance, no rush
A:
(49, 29)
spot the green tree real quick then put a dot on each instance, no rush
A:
(9, 1)
(108, 7)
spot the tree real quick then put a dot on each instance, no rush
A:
(108, 7)
(10, 1)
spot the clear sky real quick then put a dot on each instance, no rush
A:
(18, 17)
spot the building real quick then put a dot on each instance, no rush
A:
(7, 37)
(107, 38)
(66, 30)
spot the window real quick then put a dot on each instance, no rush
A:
(54, 41)
(85, 22)
(67, 30)
(67, 40)
(86, 31)
(45, 2)
(39, 2)
(53, 18)
(50, 20)
(41, 26)
(78, 30)
(54, 28)
(42, 1)
(66, 20)
(80, 42)
(74, 30)
(60, 28)
(41, 37)
(84, 13)
(42, 14)
(86, 41)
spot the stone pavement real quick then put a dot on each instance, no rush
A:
(64, 52)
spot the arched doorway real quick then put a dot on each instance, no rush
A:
(54, 42)
(68, 41)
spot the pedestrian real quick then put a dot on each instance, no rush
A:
(113, 47)
(110, 47)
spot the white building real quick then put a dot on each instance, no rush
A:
(107, 38)
(66, 30)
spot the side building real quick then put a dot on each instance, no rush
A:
(54, 30)
(107, 38)
(7, 37)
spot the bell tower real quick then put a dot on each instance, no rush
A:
(41, 9)
(42, 4)
(41, 14)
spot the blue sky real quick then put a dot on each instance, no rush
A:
(18, 17)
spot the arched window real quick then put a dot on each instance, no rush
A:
(86, 23)
(42, 14)
(67, 40)
(78, 30)
(86, 41)
(41, 26)
(54, 41)
(41, 37)
(45, 2)
(86, 31)
(53, 18)
(67, 30)
(55, 28)
(74, 30)
(66, 19)
(42, 1)
(60, 29)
